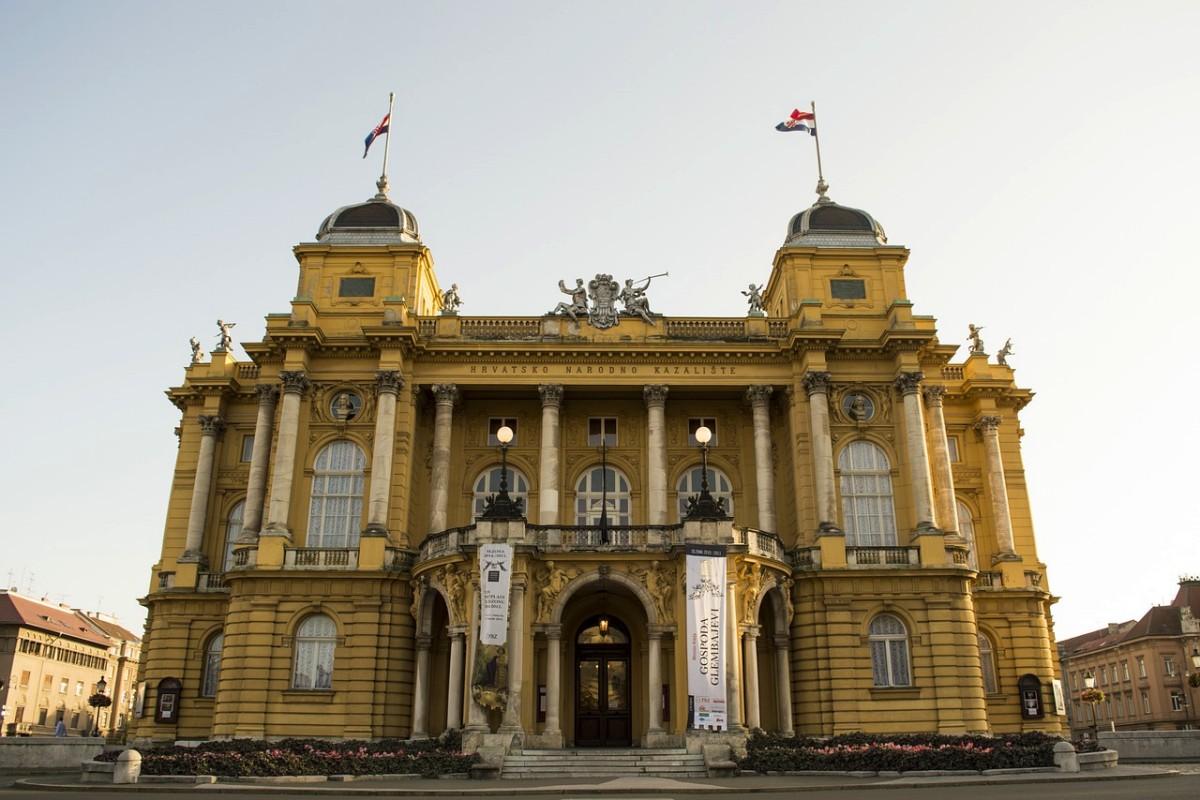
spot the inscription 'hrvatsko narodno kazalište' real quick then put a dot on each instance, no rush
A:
(600, 369)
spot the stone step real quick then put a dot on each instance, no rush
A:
(606, 751)
(603, 762)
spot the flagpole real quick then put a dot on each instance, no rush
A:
(822, 186)
(383, 181)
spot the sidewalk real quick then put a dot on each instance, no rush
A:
(599, 786)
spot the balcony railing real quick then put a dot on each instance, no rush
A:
(211, 582)
(166, 580)
(760, 543)
(882, 556)
(806, 558)
(614, 537)
(501, 327)
(446, 542)
(988, 580)
(320, 558)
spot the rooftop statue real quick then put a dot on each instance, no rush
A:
(635, 300)
(578, 304)
(224, 340)
(604, 293)
(197, 350)
(976, 340)
(450, 300)
(755, 299)
(1005, 352)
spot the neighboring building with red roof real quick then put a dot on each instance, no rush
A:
(52, 658)
(1146, 669)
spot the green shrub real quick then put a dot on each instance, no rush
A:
(903, 753)
(255, 758)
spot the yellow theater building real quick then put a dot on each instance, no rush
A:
(322, 569)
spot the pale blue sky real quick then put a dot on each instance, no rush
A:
(158, 161)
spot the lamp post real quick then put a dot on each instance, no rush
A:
(1194, 675)
(704, 506)
(1089, 684)
(101, 685)
(501, 505)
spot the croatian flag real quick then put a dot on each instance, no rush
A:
(380, 129)
(795, 122)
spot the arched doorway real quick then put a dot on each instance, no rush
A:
(602, 683)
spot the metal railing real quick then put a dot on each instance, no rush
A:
(320, 558)
(211, 582)
(882, 556)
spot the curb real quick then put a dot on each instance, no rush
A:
(490, 790)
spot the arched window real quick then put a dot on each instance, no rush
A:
(488, 484)
(719, 487)
(212, 665)
(889, 651)
(233, 529)
(987, 660)
(596, 487)
(966, 529)
(866, 481)
(335, 510)
(315, 639)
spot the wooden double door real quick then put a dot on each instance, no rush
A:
(602, 675)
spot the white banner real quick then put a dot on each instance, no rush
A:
(706, 625)
(495, 575)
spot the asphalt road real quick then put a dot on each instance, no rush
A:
(1180, 787)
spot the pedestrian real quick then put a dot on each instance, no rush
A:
(60, 728)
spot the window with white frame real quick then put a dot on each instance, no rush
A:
(1145, 702)
(494, 426)
(719, 487)
(1177, 701)
(315, 640)
(1141, 666)
(1169, 666)
(695, 423)
(488, 484)
(987, 660)
(1125, 670)
(212, 665)
(233, 529)
(248, 448)
(602, 430)
(868, 515)
(335, 508)
(889, 651)
(952, 447)
(600, 488)
(966, 529)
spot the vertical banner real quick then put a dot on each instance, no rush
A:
(1060, 703)
(706, 636)
(489, 674)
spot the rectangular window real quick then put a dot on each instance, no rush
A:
(1145, 702)
(75, 720)
(79, 688)
(63, 685)
(847, 289)
(1128, 704)
(952, 442)
(1141, 667)
(20, 714)
(1103, 677)
(356, 287)
(494, 426)
(602, 430)
(24, 678)
(1177, 702)
(1120, 711)
(1124, 670)
(47, 683)
(695, 423)
(247, 448)
(42, 716)
(1169, 666)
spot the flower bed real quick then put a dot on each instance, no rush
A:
(860, 751)
(253, 758)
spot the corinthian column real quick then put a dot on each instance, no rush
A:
(552, 395)
(388, 384)
(516, 657)
(989, 428)
(257, 486)
(656, 402)
(943, 473)
(294, 386)
(816, 384)
(210, 429)
(759, 398)
(909, 386)
(446, 395)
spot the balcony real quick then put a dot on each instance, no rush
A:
(760, 543)
(446, 543)
(883, 557)
(328, 558)
(211, 582)
(615, 538)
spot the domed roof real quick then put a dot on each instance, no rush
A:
(827, 224)
(377, 221)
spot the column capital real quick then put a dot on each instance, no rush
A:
(267, 394)
(988, 424)
(934, 394)
(553, 632)
(817, 382)
(751, 631)
(294, 382)
(655, 394)
(908, 382)
(211, 425)
(759, 395)
(445, 393)
(551, 394)
(389, 381)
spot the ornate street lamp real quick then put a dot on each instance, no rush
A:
(98, 701)
(501, 505)
(704, 506)
(1091, 694)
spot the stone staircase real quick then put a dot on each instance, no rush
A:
(589, 762)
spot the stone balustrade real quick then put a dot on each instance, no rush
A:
(332, 558)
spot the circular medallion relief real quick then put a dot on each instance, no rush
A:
(345, 406)
(858, 406)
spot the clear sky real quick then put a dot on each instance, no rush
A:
(158, 160)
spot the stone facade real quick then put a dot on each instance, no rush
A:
(365, 394)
